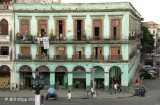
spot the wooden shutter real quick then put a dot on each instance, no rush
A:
(40, 51)
(115, 23)
(76, 54)
(82, 29)
(24, 27)
(75, 29)
(25, 51)
(57, 28)
(99, 52)
(42, 24)
(115, 52)
(64, 28)
(4, 27)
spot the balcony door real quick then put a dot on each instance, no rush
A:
(60, 29)
(97, 29)
(97, 53)
(78, 29)
(61, 52)
(79, 53)
(3, 27)
(115, 29)
(42, 28)
(25, 27)
(25, 51)
(115, 53)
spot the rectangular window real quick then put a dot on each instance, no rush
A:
(25, 51)
(42, 28)
(97, 29)
(97, 51)
(115, 53)
(79, 29)
(25, 27)
(115, 29)
(60, 29)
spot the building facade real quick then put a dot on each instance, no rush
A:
(86, 41)
(6, 45)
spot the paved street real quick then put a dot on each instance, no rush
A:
(152, 98)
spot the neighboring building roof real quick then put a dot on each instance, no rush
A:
(149, 23)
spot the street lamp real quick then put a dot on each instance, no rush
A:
(37, 84)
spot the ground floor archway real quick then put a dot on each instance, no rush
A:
(114, 75)
(61, 77)
(99, 77)
(45, 72)
(25, 77)
(4, 76)
(79, 77)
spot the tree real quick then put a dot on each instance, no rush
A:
(147, 41)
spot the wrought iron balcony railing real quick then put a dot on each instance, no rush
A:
(24, 57)
(114, 57)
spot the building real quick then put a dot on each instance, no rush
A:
(154, 29)
(103, 38)
(6, 45)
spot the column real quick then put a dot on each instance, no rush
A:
(52, 79)
(88, 80)
(69, 50)
(106, 81)
(70, 80)
(69, 28)
(124, 80)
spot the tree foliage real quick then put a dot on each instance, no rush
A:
(147, 41)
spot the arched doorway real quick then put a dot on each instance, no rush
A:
(4, 76)
(3, 27)
(79, 77)
(45, 72)
(99, 77)
(114, 75)
(25, 76)
(61, 77)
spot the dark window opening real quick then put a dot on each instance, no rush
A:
(79, 30)
(118, 51)
(96, 31)
(115, 31)
(42, 32)
(96, 52)
(60, 29)
(80, 56)
(43, 51)
(4, 51)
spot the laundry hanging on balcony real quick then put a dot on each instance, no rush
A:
(46, 42)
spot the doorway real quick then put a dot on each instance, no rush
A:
(79, 29)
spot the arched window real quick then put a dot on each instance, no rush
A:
(3, 27)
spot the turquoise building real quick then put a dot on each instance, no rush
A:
(97, 41)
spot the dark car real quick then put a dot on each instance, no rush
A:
(148, 75)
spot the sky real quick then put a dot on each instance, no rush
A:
(149, 9)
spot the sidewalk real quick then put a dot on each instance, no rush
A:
(80, 93)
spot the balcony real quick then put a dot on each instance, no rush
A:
(114, 57)
(5, 38)
(132, 37)
(24, 57)
(24, 38)
(78, 57)
(5, 57)
(42, 57)
(3, 7)
(97, 57)
(60, 57)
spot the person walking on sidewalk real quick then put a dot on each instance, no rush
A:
(92, 92)
(69, 97)
(4, 87)
(111, 89)
(137, 82)
(42, 99)
(12, 87)
(115, 88)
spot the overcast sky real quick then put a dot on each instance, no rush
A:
(149, 9)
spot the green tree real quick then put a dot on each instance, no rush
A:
(147, 41)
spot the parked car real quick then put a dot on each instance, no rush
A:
(148, 75)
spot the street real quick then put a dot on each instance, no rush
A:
(152, 98)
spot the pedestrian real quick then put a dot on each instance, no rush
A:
(137, 82)
(16, 87)
(4, 87)
(141, 82)
(119, 87)
(42, 99)
(143, 90)
(88, 93)
(111, 89)
(115, 88)
(12, 87)
(92, 92)
(69, 97)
